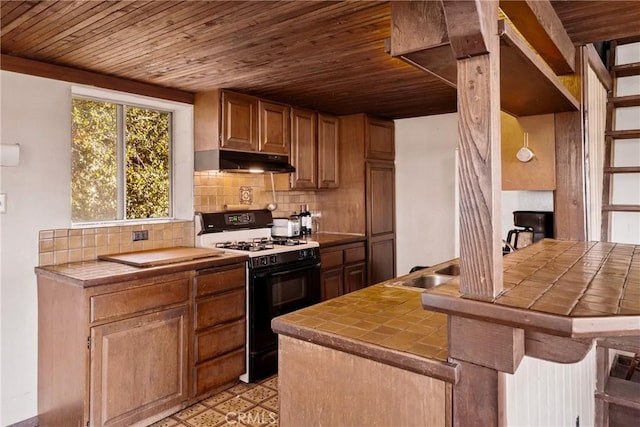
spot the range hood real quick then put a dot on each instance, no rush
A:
(239, 161)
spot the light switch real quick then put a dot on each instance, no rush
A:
(3, 202)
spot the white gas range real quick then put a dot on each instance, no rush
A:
(283, 275)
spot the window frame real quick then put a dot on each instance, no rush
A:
(179, 175)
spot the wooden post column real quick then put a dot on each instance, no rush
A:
(473, 34)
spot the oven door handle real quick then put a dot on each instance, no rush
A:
(287, 271)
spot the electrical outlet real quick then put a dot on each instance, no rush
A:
(3, 203)
(140, 235)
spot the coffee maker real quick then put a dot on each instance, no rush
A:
(533, 226)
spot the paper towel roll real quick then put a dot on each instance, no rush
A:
(9, 154)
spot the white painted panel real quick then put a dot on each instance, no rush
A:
(626, 152)
(625, 227)
(629, 85)
(626, 189)
(628, 53)
(425, 190)
(547, 394)
(595, 117)
(627, 118)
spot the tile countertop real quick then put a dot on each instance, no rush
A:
(383, 322)
(564, 288)
(94, 273)
(326, 239)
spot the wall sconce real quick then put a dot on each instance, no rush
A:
(525, 154)
(9, 154)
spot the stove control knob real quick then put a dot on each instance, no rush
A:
(274, 259)
(264, 260)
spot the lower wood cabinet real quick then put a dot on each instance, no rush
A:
(131, 352)
(219, 328)
(139, 367)
(344, 269)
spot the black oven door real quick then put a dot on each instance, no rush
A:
(273, 292)
(276, 291)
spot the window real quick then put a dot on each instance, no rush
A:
(121, 162)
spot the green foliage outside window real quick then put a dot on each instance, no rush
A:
(144, 178)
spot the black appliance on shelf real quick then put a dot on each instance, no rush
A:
(533, 226)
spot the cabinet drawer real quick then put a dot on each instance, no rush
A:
(219, 371)
(354, 254)
(219, 309)
(117, 304)
(219, 280)
(219, 340)
(330, 259)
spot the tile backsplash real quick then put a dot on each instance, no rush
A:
(64, 245)
(215, 191)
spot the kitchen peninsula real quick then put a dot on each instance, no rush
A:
(381, 351)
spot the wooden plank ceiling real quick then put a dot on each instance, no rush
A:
(324, 55)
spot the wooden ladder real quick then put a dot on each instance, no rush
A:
(612, 135)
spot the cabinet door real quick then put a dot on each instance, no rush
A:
(239, 122)
(274, 133)
(381, 220)
(382, 259)
(328, 166)
(304, 149)
(355, 277)
(139, 367)
(380, 198)
(379, 139)
(332, 283)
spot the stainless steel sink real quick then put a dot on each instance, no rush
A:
(450, 270)
(427, 281)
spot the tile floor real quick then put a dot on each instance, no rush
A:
(253, 405)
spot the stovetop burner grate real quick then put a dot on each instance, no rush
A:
(260, 244)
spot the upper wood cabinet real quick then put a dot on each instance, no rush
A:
(274, 133)
(328, 161)
(304, 149)
(314, 150)
(365, 201)
(239, 127)
(234, 121)
(379, 139)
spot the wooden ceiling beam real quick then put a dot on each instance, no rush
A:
(42, 69)
(539, 24)
(419, 37)
(468, 26)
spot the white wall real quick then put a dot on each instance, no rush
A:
(36, 113)
(549, 394)
(426, 195)
(425, 187)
